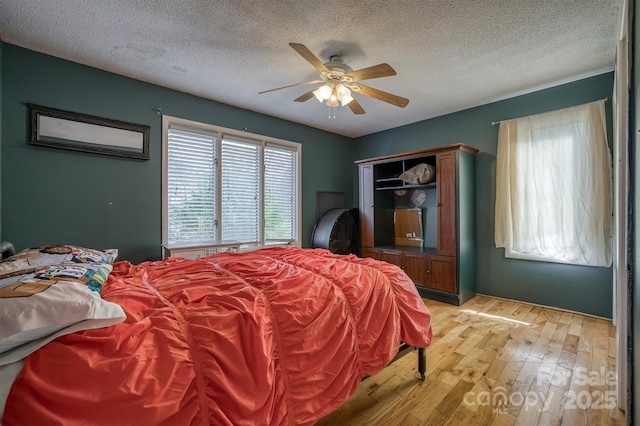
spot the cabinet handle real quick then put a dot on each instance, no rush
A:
(371, 206)
(428, 272)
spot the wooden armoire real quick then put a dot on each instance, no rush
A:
(442, 265)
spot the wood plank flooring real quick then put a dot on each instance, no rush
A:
(497, 362)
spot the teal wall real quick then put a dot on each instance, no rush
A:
(578, 288)
(50, 195)
(59, 196)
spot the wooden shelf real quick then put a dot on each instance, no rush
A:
(407, 186)
(408, 249)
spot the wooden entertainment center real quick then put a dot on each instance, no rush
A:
(442, 264)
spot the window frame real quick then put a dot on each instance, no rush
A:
(219, 132)
(591, 120)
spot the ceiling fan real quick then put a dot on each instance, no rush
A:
(340, 80)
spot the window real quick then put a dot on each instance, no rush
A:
(241, 201)
(554, 187)
(191, 187)
(223, 185)
(280, 169)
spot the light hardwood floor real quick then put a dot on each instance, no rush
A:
(497, 362)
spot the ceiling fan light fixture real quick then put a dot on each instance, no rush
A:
(323, 92)
(343, 94)
(333, 94)
(332, 102)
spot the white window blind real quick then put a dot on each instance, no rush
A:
(225, 185)
(191, 183)
(240, 190)
(280, 190)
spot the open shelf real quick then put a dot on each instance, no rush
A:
(399, 184)
(387, 174)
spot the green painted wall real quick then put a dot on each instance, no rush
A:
(582, 289)
(50, 195)
(58, 196)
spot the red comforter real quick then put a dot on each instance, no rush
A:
(273, 336)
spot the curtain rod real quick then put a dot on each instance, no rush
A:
(493, 123)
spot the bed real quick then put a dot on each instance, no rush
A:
(271, 336)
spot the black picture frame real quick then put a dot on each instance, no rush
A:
(57, 128)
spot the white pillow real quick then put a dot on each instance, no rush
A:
(39, 306)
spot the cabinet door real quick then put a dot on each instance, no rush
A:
(441, 273)
(415, 265)
(394, 257)
(369, 252)
(366, 205)
(446, 203)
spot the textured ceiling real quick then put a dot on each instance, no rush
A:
(448, 55)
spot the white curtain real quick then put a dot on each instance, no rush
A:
(554, 187)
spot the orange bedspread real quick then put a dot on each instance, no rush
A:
(273, 336)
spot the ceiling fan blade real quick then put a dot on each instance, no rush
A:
(309, 56)
(291, 85)
(356, 108)
(305, 96)
(380, 95)
(376, 71)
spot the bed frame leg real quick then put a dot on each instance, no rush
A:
(422, 357)
(422, 362)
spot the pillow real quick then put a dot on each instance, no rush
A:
(56, 255)
(38, 305)
(420, 174)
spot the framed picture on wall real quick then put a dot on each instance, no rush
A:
(81, 132)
